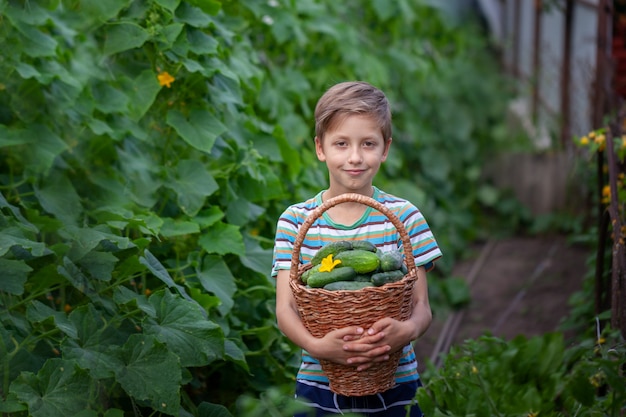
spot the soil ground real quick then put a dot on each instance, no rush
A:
(519, 286)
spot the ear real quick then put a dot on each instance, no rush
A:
(319, 149)
(386, 150)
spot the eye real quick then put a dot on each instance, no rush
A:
(369, 143)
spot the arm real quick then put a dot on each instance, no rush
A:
(331, 346)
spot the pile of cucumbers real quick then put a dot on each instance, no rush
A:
(361, 265)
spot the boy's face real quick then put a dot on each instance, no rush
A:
(353, 150)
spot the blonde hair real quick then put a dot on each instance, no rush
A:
(352, 98)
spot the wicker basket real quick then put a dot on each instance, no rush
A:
(322, 311)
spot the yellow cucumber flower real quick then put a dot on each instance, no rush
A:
(328, 264)
(165, 79)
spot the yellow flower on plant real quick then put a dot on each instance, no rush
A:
(597, 380)
(601, 142)
(328, 264)
(584, 140)
(165, 79)
(474, 370)
(606, 194)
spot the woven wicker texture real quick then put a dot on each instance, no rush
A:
(322, 311)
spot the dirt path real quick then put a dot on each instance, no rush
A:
(518, 285)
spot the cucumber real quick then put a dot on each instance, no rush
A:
(319, 279)
(305, 275)
(382, 278)
(362, 261)
(364, 245)
(391, 261)
(363, 278)
(330, 248)
(347, 285)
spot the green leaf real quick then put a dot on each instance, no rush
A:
(12, 236)
(86, 239)
(183, 328)
(14, 210)
(11, 404)
(173, 228)
(193, 16)
(216, 278)
(35, 43)
(99, 11)
(213, 410)
(99, 265)
(150, 372)
(211, 7)
(457, 291)
(113, 412)
(14, 275)
(201, 43)
(109, 99)
(95, 344)
(256, 258)
(142, 91)
(161, 273)
(170, 5)
(46, 146)
(192, 184)
(221, 239)
(58, 389)
(170, 33)
(209, 216)
(200, 130)
(58, 197)
(38, 312)
(235, 354)
(122, 36)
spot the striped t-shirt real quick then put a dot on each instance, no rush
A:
(373, 226)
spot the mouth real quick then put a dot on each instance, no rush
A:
(354, 172)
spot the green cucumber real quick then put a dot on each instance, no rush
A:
(332, 248)
(382, 278)
(363, 278)
(391, 260)
(364, 245)
(362, 261)
(347, 285)
(305, 275)
(318, 279)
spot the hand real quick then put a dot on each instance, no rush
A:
(384, 337)
(340, 346)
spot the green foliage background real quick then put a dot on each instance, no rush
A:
(137, 220)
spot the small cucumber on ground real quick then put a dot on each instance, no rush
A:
(319, 279)
(362, 261)
(364, 245)
(347, 285)
(382, 278)
(391, 261)
(330, 248)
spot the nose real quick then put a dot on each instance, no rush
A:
(356, 156)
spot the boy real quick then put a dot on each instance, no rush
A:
(353, 136)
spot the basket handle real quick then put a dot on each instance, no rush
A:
(343, 198)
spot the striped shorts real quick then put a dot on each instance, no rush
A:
(398, 401)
